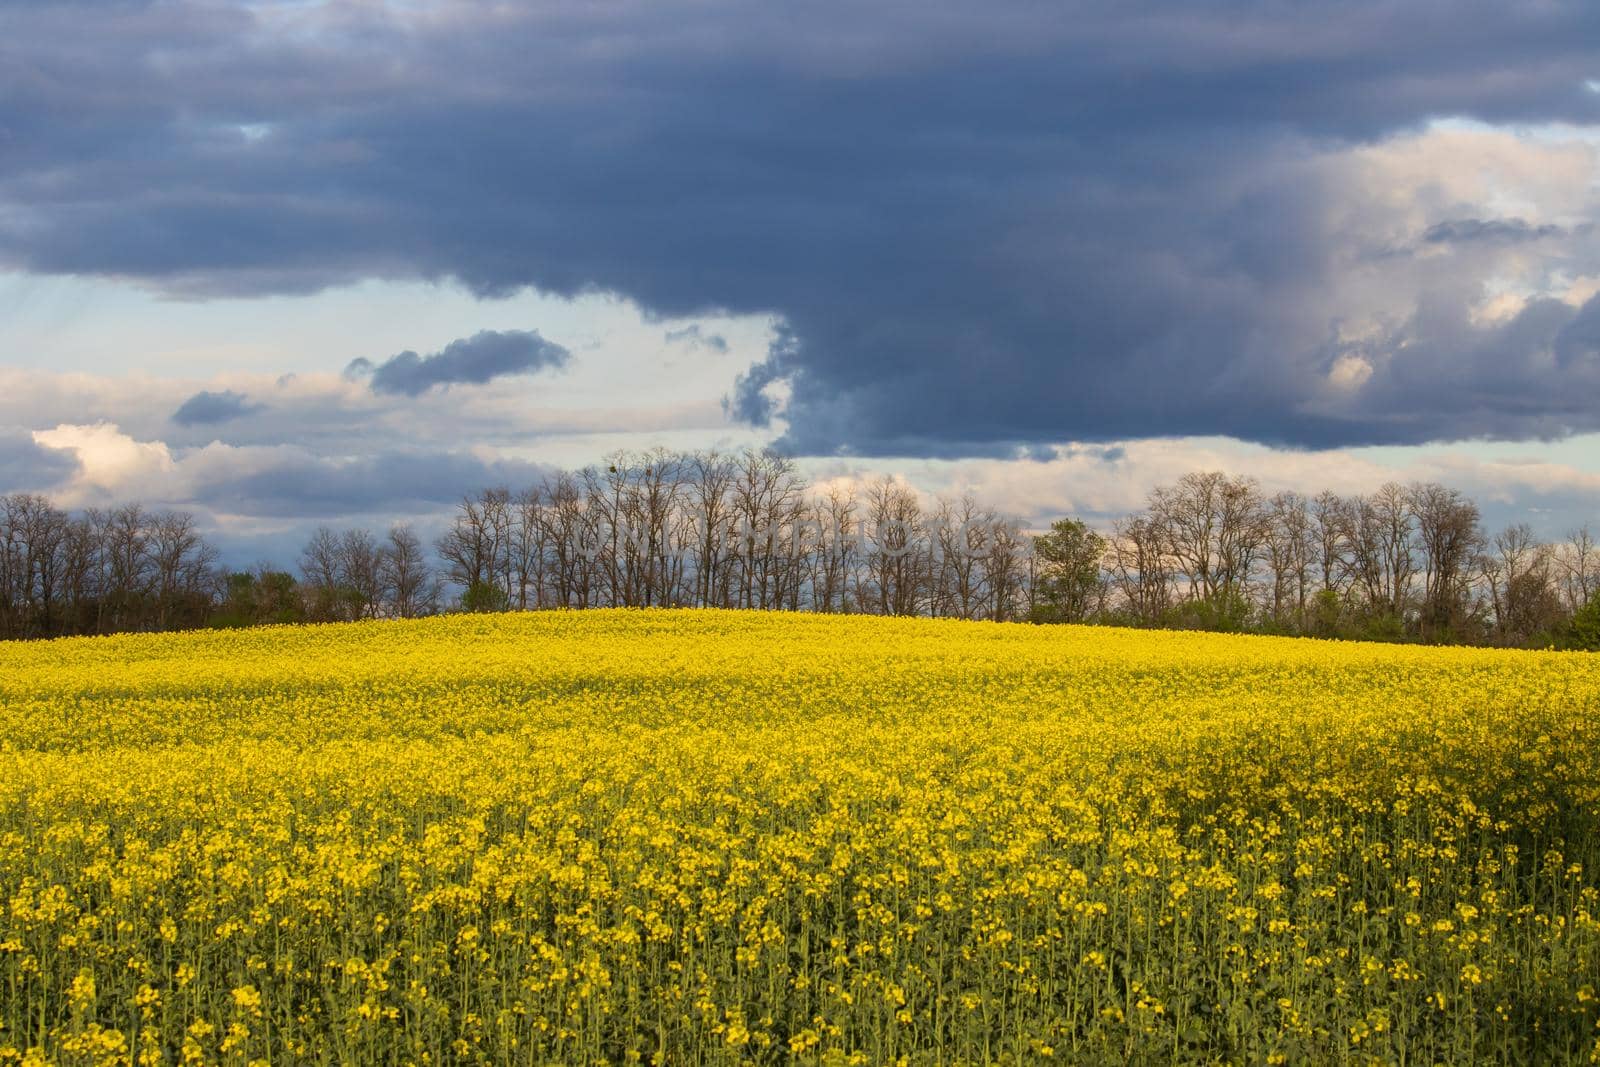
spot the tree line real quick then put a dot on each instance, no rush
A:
(660, 528)
(101, 571)
(705, 530)
(1403, 563)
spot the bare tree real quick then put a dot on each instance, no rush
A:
(1141, 568)
(126, 540)
(1290, 547)
(652, 511)
(184, 566)
(1391, 508)
(710, 479)
(1329, 523)
(474, 549)
(1379, 533)
(960, 533)
(767, 496)
(526, 548)
(360, 586)
(1516, 571)
(1215, 530)
(319, 574)
(1449, 539)
(1007, 583)
(569, 540)
(896, 556)
(1577, 564)
(837, 551)
(35, 532)
(408, 589)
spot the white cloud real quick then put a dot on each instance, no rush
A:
(1349, 372)
(111, 465)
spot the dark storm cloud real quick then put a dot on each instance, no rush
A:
(206, 408)
(1485, 374)
(27, 467)
(985, 226)
(474, 360)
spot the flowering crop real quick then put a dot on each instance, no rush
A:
(720, 837)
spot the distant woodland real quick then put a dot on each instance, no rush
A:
(1212, 551)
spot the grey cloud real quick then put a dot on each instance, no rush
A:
(749, 401)
(398, 482)
(1535, 375)
(474, 360)
(1461, 231)
(695, 337)
(28, 467)
(206, 408)
(985, 225)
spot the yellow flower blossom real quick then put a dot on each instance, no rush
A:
(664, 836)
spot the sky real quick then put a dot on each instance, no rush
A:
(289, 263)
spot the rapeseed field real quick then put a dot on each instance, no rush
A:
(687, 837)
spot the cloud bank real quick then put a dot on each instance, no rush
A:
(986, 227)
(100, 464)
